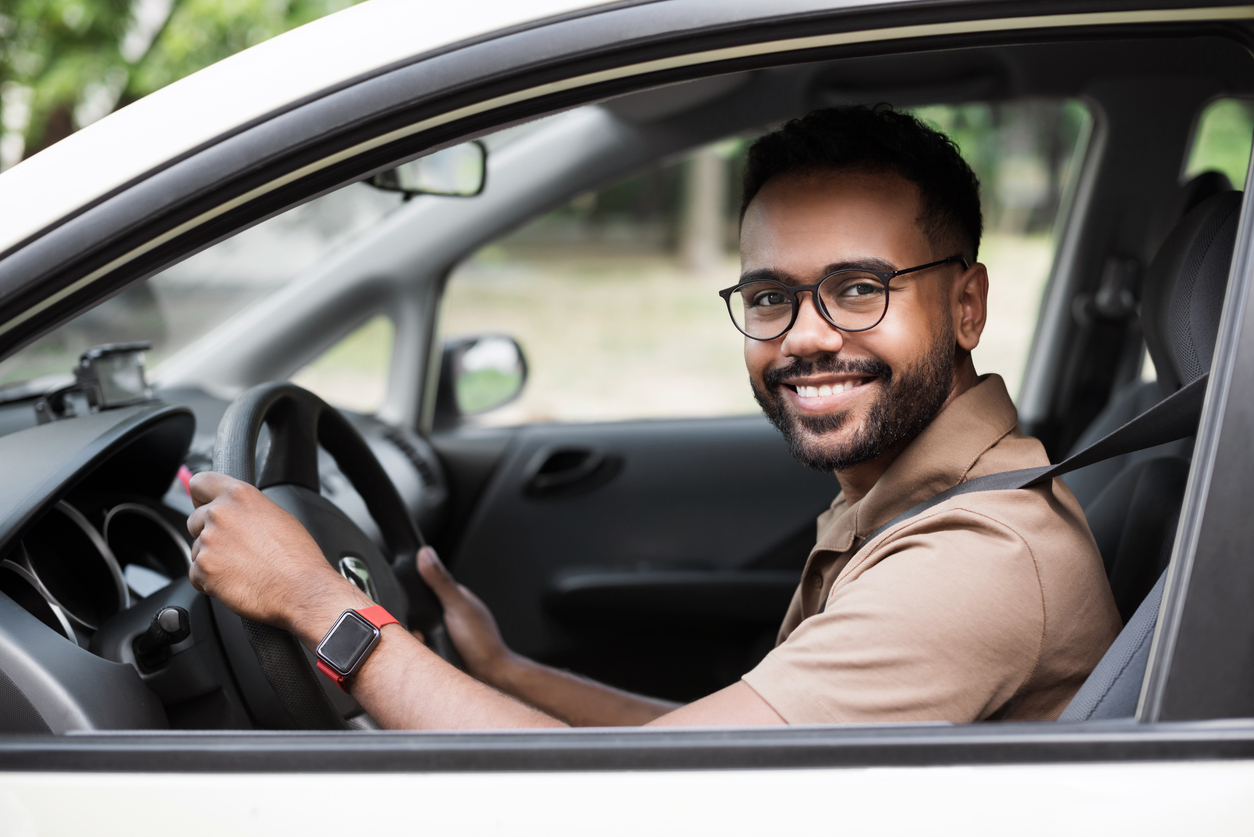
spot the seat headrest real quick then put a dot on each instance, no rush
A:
(1184, 291)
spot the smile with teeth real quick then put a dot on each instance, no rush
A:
(826, 389)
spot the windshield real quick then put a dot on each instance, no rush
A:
(188, 300)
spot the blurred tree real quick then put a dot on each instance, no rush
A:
(66, 63)
(1221, 140)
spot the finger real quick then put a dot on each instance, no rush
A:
(207, 485)
(196, 521)
(196, 576)
(436, 575)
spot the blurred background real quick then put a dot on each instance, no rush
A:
(613, 296)
(66, 63)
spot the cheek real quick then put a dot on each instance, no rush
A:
(901, 341)
(759, 356)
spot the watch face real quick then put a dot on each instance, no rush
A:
(348, 641)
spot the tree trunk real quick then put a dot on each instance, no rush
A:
(705, 194)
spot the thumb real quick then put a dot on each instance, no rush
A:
(435, 574)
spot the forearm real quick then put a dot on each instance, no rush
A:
(404, 685)
(576, 700)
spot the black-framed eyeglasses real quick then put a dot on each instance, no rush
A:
(855, 299)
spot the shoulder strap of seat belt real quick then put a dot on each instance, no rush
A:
(1175, 417)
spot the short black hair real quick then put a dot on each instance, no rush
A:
(878, 139)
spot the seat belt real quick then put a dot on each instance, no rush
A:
(1175, 417)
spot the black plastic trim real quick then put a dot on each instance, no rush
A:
(601, 750)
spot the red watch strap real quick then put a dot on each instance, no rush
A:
(334, 675)
(378, 616)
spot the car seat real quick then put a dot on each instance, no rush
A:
(1134, 517)
(1134, 398)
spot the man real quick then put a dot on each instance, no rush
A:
(860, 300)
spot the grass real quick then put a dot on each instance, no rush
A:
(354, 372)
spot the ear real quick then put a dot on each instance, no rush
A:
(970, 306)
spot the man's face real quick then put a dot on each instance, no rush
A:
(885, 384)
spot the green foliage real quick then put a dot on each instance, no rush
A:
(62, 58)
(1020, 150)
(201, 32)
(1223, 139)
(56, 48)
(484, 389)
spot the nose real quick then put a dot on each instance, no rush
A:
(811, 335)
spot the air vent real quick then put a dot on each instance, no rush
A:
(421, 465)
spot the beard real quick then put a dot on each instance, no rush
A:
(906, 404)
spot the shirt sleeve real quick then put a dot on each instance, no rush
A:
(943, 621)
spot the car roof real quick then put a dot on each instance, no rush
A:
(243, 89)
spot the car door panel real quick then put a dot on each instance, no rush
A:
(658, 555)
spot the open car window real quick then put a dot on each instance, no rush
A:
(613, 296)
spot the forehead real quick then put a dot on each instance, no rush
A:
(799, 223)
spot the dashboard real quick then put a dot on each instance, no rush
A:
(94, 547)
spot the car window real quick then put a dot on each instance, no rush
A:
(613, 297)
(353, 373)
(188, 300)
(1221, 140)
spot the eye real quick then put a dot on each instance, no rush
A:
(767, 298)
(861, 289)
(855, 287)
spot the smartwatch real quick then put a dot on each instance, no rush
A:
(344, 649)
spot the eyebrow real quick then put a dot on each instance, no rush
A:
(764, 274)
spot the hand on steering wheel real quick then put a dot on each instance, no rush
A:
(255, 557)
(299, 423)
(470, 624)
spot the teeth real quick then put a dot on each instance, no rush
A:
(825, 390)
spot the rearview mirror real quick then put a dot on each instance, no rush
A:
(478, 374)
(460, 171)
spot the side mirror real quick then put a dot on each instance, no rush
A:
(478, 374)
(460, 171)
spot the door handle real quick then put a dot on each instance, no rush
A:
(569, 470)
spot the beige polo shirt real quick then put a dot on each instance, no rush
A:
(993, 604)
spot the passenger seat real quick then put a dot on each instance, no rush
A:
(1134, 517)
(1136, 397)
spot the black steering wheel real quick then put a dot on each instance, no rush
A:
(299, 422)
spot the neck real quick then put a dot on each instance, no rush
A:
(856, 481)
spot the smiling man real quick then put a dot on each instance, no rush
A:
(860, 301)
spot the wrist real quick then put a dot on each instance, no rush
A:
(312, 614)
(505, 671)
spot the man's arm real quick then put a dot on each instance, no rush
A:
(260, 562)
(576, 700)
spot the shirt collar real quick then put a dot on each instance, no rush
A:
(936, 460)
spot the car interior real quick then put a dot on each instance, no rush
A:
(654, 548)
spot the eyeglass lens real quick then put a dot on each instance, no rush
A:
(853, 300)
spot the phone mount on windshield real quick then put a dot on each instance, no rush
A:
(106, 377)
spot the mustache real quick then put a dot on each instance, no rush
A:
(828, 365)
